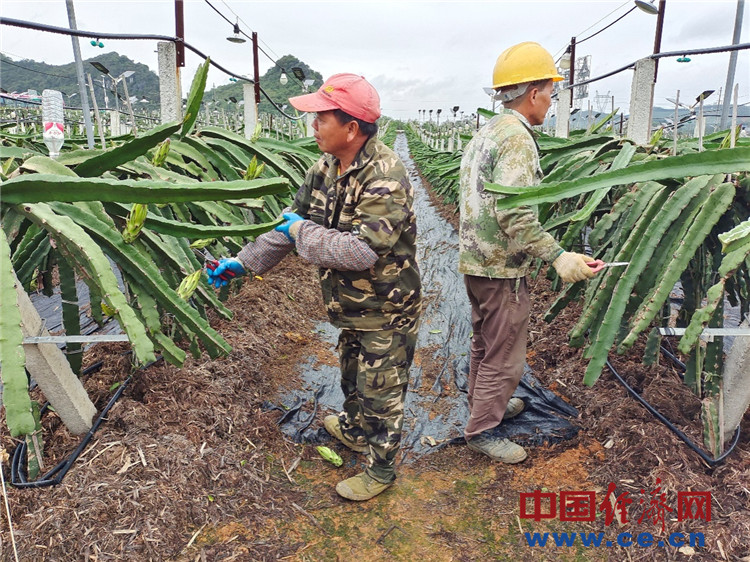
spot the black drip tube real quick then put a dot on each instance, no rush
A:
(18, 477)
(659, 416)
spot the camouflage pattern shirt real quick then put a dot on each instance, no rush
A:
(372, 199)
(492, 243)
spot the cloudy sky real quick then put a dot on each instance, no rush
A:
(419, 55)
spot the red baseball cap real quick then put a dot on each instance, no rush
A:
(347, 92)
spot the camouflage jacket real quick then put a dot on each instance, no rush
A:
(500, 244)
(372, 199)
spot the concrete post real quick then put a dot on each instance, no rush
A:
(562, 121)
(641, 102)
(736, 382)
(51, 370)
(114, 123)
(170, 90)
(251, 110)
(309, 118)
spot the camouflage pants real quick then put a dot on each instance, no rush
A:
(374, 376)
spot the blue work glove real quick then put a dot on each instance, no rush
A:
(222, 272)
(291, 226)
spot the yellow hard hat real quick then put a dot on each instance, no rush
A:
(525, 62)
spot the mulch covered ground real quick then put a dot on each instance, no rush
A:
(189, 466)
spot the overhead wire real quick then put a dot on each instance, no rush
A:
(245, 34)
(250, 28)
(81, 33)
(592, 25)
(33, 70)
(605, 27)
(274, 61)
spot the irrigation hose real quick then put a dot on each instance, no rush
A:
(654, 412)
(56, 474)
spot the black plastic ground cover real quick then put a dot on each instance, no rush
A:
(435, 414)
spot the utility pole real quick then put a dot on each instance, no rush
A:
(732, 65)
(79, 76)
(256, 70)
(657, 36)
(179, 25)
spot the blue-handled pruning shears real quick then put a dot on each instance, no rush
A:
(212, 264)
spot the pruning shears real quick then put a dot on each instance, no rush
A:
(598, 265)
(212, 264)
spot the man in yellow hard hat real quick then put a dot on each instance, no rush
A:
(496, 247)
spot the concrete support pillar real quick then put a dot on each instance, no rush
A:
(251, 110)
(562, 119)
(641, 102)
(170, 90)
(51, 370)
(309, 118)
(114, 123)
(736, 382)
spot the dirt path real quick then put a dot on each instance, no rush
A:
(435, 409)
(191, 466)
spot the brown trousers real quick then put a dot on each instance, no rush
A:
(499, 318)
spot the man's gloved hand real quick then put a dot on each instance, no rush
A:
(572, 267)
(291, 226)
(222, 273)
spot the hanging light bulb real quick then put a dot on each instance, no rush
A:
(565, 60)
(236, 37)
(283, 78)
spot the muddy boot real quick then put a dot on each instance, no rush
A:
(360, 487)
(333, 426)
(503, 450)
(515, 406)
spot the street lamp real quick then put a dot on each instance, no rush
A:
(647, 6)
(283, 80)
(121, 78)
(236, 37)
(299, 74)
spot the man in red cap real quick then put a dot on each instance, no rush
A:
(353, 217)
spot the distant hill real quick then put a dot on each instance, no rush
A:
(23, 75)
(279, 93)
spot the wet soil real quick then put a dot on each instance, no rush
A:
(190, 466)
